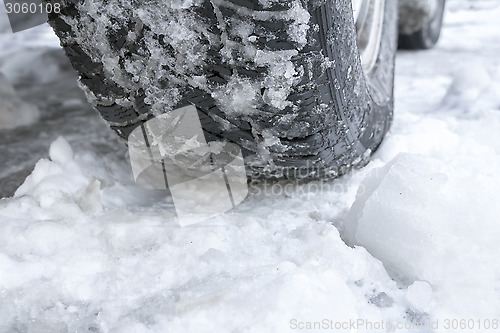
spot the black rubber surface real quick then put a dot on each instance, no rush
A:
(338, 115)
(426, 37)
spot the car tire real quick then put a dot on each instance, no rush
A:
(428, 35)
(309, 110)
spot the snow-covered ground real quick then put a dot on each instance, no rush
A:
(410, 240)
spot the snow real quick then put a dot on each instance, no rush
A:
(84, 249)
(15, 70)
(34, 47)
(60, 151)
(420, 295)
(13, 111)
(427, 220)
(178, 28)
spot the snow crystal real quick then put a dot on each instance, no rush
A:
(239, 96)
(179, 28)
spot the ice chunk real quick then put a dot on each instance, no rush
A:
(49, 180)
(427, 220)
(239, 96)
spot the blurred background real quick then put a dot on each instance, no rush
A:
(40, 100)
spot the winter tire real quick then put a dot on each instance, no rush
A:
(427, 35)
(282, 79)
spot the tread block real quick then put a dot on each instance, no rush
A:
(116, 113)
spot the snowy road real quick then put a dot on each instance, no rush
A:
(83, 249)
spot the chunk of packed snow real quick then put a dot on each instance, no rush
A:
(60, 151)
(427, 220)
